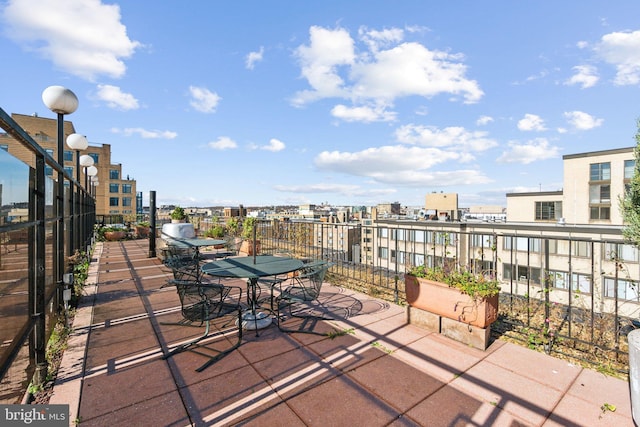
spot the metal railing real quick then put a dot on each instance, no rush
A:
(581, 292)
(36, 241)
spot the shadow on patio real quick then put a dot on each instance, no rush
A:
(373, 370)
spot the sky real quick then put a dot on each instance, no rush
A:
(350, 103)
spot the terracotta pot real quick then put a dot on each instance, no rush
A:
(142, 231)
(440, 299)
(247, 247)
(115, 235)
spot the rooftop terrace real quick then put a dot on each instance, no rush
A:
(379, 371)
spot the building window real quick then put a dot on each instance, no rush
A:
(629, 167)
(600, 212)
(68, 156)
(627, 289)
(114, 174)
(114, 188)
(126, 201)
(620, 252)
(48, 170)
(383, 252)
(95, 157)
(600, 171)
(599, 193)
(579, 282)
(114, 201)
(581, 249)
(126, 188)
(548, 210)
(68, 170)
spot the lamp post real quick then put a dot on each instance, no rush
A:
(61, 101)
(86, 161)
(76, 142)
(91, 172)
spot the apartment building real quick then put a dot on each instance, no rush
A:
(115, 195)
(571, 239)
(592, 185)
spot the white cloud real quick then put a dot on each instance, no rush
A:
(484, 120)
(365, 114)
(382, 71)
(82, 38)
(585, 76)
(274, 145)
(223, 143)
(455, 138)
(253, 57)
(529, 152)
(334, 189)
(531, 122)
(203, 100)
(399, 165)
(582, 121)
(146, 134)
(115, 98)
(622, 49)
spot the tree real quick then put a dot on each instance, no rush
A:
(630, 202)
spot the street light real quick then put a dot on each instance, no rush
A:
(91, 172)
(76, 142)
(61, 101)
(86, 161)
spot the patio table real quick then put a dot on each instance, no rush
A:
(252, 268)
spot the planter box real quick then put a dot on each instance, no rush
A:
(247, 247)
(440, 299)
(115, 235)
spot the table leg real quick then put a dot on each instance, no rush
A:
(252, 318)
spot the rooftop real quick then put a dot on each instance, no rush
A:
(380, 371)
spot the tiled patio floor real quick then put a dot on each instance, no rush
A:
(379, 372)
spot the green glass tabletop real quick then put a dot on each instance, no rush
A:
(194, 243)
(246, 268)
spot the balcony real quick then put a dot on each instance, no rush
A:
(373, 369)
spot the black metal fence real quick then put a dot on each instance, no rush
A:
(42, 224)
(561, 293)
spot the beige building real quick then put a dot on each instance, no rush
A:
(442, 205)
(115, 194)
(593, 184)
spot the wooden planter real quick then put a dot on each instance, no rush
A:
(142, 232)
(247, 247)
(440, 299)
(115, 235)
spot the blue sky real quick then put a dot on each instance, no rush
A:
(345, 102)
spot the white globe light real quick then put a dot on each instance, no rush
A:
(86, 160)
(60, 100)
(78, 142)
(92, 171)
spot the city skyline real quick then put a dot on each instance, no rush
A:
(345, 103)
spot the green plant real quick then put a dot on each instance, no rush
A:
(217, 231)
(233, 226)
(178, 213)
(476, 285)
(248, 226)
(144, 224)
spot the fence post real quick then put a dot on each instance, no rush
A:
(634, 373)
(152, 224)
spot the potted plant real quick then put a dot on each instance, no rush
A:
(248, 227)
(457, 294)
(113, 233)
(216, 232)
(143, 229)
(178, 215)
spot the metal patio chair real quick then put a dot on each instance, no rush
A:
(302, 290)
(201, 304)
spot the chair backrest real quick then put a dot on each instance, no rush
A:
(200, 303)
(311, 277)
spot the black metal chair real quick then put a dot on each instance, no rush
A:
(302, 290)
(203, 303)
